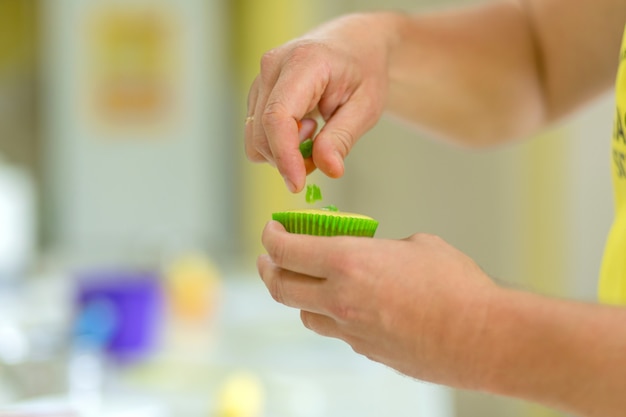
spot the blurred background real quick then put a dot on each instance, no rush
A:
(130, 219)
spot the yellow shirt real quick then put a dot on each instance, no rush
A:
(613, 273)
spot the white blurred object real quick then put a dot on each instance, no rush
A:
(241, 395)
(17, 221)
(119, 188)
(61, 407)
(434, 400)
(14, 346)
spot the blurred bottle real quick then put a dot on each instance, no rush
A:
(17, 222)
(94, 327)
(193, 292)
(120, 311)
(192, 284)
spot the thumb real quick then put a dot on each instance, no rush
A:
(339, 134)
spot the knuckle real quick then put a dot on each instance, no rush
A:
(342, 312)
(307, 320)
(298, 53)
(371, 111)
(345, 140)
(346, 267)
(434, 240)
(415, 237)
(259, 145)
(276, 250)
(271, 275)
(252, 153)
(255, 157)
(253, 93)
(358, 347)
(269, 61)
(304, 51)
(275, 287)
(424, 237)
(345, 270)
(272, 112)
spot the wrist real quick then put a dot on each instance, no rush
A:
(488, 353)
(476, 351)
(394, 26)
(540, 349)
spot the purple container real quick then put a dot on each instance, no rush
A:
(121, 311)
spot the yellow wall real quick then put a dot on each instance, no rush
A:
(17, 33)
(259, 26)
(544, 229)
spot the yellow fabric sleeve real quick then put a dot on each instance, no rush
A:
(612, 289)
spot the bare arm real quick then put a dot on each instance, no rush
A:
(478, 75)
(501, 70)
(564, 354)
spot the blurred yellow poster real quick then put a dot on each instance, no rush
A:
(132, 82)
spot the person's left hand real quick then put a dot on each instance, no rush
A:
(417, 305)
(337, 72)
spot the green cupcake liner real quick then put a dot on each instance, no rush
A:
(322, 224)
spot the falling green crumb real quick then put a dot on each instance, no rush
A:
(313, 193)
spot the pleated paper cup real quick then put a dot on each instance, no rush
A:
(326, 223)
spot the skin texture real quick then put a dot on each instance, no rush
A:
(476, 76)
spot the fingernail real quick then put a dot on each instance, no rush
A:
(302, 134)
(339, 159)
(273, 224)
(290, 185)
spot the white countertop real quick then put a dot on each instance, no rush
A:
(300, 374)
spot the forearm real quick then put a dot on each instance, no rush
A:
(501, 70)
(468, 74)
(568, 355)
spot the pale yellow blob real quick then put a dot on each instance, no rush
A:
(241, 395)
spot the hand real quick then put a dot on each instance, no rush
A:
(417, 305)
(337, 71)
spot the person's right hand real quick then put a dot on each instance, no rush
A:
(338, 71)
(417, 305)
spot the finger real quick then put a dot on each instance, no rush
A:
(259, 138)
(320, 324)
(296, 93)
(291, 288)
(307, 131)
(253, 94)
(307, 128)
(269, 72)
(328, 327)
(251, 150)
(316, 256)
(309, 165)
(346, 125)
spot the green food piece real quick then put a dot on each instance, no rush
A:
(313, 193)
(332, 207)
(306, 148)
